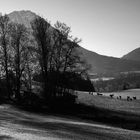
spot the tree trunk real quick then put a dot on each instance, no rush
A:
(6, 67)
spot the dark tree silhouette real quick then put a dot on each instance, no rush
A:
(42, 36)
(57, 55)
(66, 57)
(4, 43)
(19, 44)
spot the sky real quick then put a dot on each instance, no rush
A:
(107, 27)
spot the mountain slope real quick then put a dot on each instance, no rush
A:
(108, 65)
(99, 64)
(133, 55)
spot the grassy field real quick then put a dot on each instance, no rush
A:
(16, 124)
(118, 112)
(125, 93)
(113, 103)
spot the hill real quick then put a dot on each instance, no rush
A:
(106, 65)
(100, 64)
(133, 55)
(22, 17)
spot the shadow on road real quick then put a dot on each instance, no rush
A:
(5, 137)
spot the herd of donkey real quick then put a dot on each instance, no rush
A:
(118, 97)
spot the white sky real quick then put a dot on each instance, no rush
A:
(108, 27)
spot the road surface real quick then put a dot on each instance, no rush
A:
(20, 125)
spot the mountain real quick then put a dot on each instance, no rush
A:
(106, 65)
(22, 17)
(100, 64)
(133, 55)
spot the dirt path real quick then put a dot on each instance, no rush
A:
(19, 125)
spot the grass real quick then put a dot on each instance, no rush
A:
(121, 113)
(103, 109)
(110, 103)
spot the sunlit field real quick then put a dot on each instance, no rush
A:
(105, 101)
(132, 93)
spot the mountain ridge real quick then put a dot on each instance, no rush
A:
(108, 65)
(133, 55)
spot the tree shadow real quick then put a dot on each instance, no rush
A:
(68, 130)
(5, 137)
(86, 113)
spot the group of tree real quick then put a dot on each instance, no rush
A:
(119, 83)
(14, 44)
(50, 52)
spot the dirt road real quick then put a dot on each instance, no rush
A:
(20, 125)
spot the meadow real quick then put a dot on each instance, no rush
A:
(106, 102)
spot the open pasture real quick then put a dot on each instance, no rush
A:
(115, 104)
(131, 93)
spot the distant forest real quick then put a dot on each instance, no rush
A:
(121, 82)
(43, 54)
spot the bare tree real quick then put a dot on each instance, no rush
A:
(41, 33)
(19, 43)
(57, 54)
(31, 66)
(66, 57)
(4, 43)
